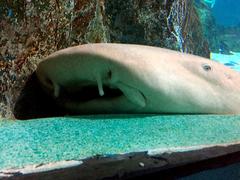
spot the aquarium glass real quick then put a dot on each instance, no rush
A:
(31, 30)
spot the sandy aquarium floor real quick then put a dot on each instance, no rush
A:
(70, 138)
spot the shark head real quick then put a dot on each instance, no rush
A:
(118, 78)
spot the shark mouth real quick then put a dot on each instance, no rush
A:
(87, 90)
(88, 93)
(98, 92)
(37, 100)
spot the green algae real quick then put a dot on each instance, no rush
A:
(74, 138)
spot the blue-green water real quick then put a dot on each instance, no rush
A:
(55, 139)
(232, 61)
(227, 12)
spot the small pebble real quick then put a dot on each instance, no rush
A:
(141, 164)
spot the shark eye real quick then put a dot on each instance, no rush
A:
(206, 67)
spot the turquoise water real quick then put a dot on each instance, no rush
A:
(232, 61)
(73, 138)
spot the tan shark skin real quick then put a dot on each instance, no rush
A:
(152, 79)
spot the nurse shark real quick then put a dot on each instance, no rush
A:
(123, 78)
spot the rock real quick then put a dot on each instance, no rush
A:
(209, 26)
(171, 24)
(221, 39)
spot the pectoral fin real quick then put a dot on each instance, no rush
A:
(132, 94)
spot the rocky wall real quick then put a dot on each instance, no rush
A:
(209, 27)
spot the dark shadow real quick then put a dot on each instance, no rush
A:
(33, 102)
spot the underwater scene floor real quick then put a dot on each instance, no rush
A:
(75, 138)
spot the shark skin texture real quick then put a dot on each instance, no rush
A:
(123, 78)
